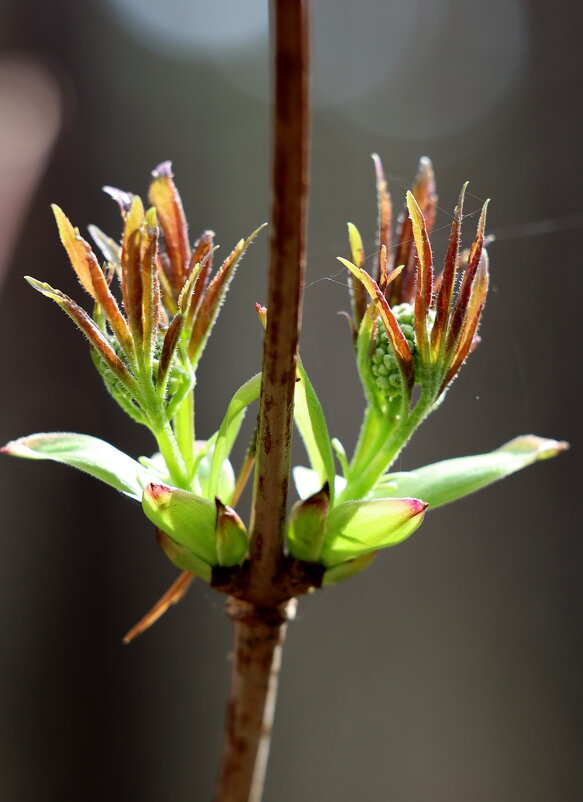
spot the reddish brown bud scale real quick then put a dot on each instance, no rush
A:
(123, 199)
(168, 348)
(106, 299)
(78, 250)
(423, 191)
(202, 252)
(131, 268)
(447, 279)
(89, 328)
(459, 311)
(213, 298)
(467, 339)
(358, 294)
(200, 285)
(383, 272)
(424, 282)
(385, 215)
(165, 197)
(150, 284)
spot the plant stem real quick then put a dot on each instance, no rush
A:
(259, 637)
(360, 484)
(184, 429)
(285, 284)
(259, 621)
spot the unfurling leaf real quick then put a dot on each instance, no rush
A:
(229, 429)
(89, 454)
(182, 557)
(358, 527)
(452, 479)
(348, 569)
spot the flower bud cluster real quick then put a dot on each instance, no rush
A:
(384, 365)
(383, 361)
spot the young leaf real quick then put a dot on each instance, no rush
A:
(358, 527)
(451, 479)
(78, 250)
(229, 429)
(110, 249)
(348, 569)
(89, 454)
(307, 482)
(164, 196)
(182, 557)
(310, 420)
(90, 329)
(214, 296)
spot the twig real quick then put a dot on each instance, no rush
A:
(286, 272)
(263, 605)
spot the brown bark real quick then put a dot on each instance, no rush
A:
(286, 271)
(259, 637)
(262, 601)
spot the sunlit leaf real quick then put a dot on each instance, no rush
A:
(358, 527)
(88, 454)
(452, 479)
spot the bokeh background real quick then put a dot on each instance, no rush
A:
(450, 671)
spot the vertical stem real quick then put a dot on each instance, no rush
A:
(259, 622)
(259, 637)
(286, 270)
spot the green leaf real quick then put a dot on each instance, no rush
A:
(226, 480)
(348, 569)
(307, 482)
(182, 557)
(229, 429)
(358, 527)
(187, 519)
(451, 479)
(89, 454)
(310, 420)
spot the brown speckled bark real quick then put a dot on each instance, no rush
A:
(286, 271)
(262, 601)
(259, 636)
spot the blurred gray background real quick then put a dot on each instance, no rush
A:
(449, 671)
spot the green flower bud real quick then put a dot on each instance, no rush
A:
(384, 365)
(187, 519)
(307, 525)
(230, 535)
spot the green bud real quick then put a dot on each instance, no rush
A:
(186, 518)
(384, 367)
(348, 569)
(231, 536)
(359, 527)
(307, 525)
(182, 557)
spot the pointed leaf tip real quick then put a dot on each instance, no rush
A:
(163, 170)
